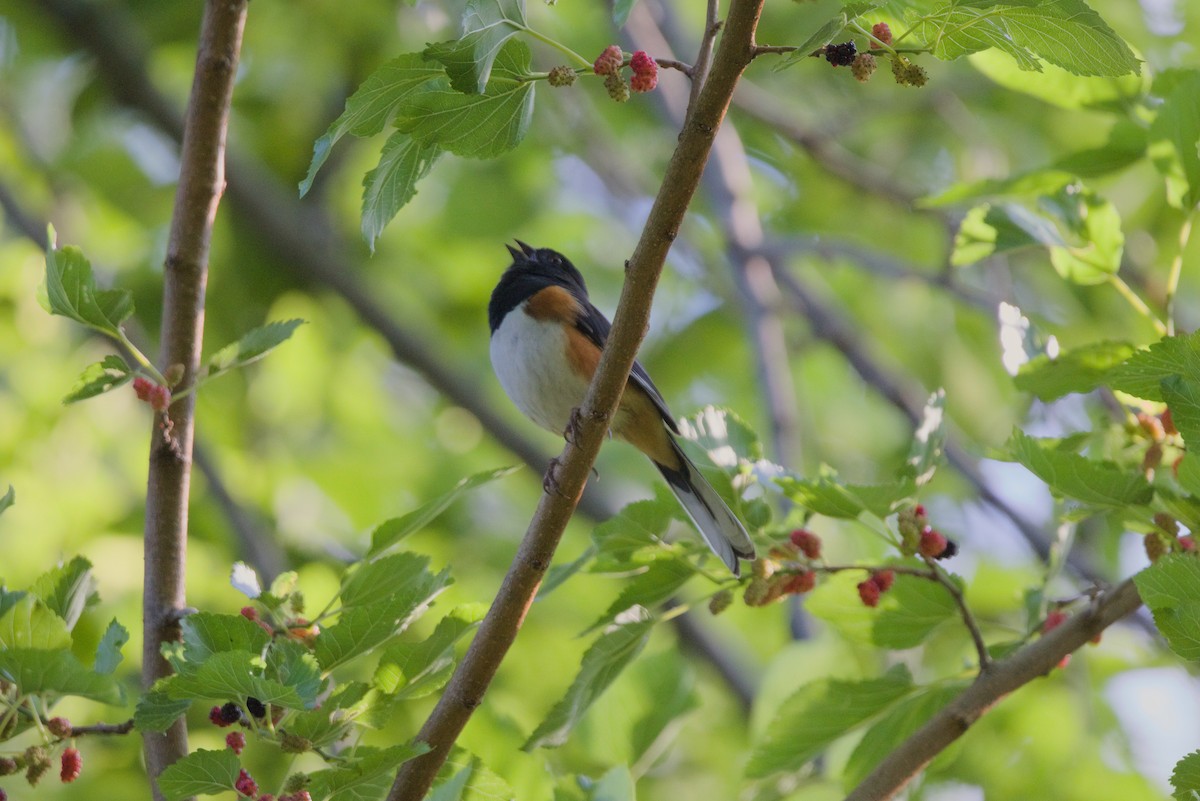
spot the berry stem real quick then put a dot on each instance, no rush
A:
(140, 358)
(1185, 233)
(1137, 303)
(942, 577)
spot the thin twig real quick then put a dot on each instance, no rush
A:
(763, 50)
(499, 629)
(712, 26)
(964, 611)
(672, 64)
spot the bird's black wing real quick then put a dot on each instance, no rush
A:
(595, 326)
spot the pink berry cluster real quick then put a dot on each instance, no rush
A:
(786, 570)
(37, 760)
(158, 396)
(1164, 442)
(1165, 538)
(609, 64)
(918, 537)
(245, 785)
(879, 582)
(296, 627)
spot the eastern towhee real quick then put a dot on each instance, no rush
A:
(546, 342)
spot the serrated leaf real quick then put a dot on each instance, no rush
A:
(108, 652)
(71, 291)
(601, 664)
(464, 777)
(411, 670)
(476, 125)
(374, 104)
(1183, 399)
(670, 685)
(927, 450)
(1094, 242)
(1170, 588)
(363, 628)
(827, 496)
(36, 670)
(156, 710)
(487, 25)
(1081, 369)
(659, 581)
(8, 499)
(1185, 778)
(208, 633)
(372, 581)
(31, 623)
(253, 345)
(1173, 137)
(1066, 33)
(292, 665)
(908, 715)
(1180, 626)
(348, 704)
(1093, 482)
(1143, 373)
(391, 532)
(818, 714)
(366, 768)
(393, 181)
(907, 614)
(102, 376)
(201, 772)
(232, 675)
(637, 527)
(67, 589)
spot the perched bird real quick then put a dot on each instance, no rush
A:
(546, 343)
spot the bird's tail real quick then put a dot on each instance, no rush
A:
(717, 523)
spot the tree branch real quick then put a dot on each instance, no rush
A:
(499, 629)
(1034, 660)
(201, 183)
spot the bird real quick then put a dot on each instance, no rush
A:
(546, 339)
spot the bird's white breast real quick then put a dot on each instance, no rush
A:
(529, 357)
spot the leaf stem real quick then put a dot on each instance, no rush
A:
(140, 357)
(1185, 233)
(559, 46)
(1137, 303)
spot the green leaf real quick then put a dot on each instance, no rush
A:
(208, 633)
(108, 652)
(363, 628)
(1171, 587)
(1173, 137)
(365, 767)
(201, 772)
(907, 614)
(621, 11)
(8, 499)
(1058, 87)
(826, 496)
(603, 662)
(1142, 375)
(820, 713)
(253, 345)
(464, 777)
(96, 379)
(1186, 778)
(412, 670)
(233, 674)
(374, 104)
(927, 450)
(37, 670)
(347, 704)
(617, 784)
(1091, 227)
(67, 589)
(157, 710)
(391, 532)
(638, 526)
(371, 581)
(1079, 370)
(292, 665)
(670, 684)
(71, 291)
(476, 125)
(1183, 399)
(1066, 33)
(1093, 482)
(31, 623)
(726, 438)
(895, 727)
(393, 182)
(487, 25)
(658, 582)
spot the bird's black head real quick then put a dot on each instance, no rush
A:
(532, 269)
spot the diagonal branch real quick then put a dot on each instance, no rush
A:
(1034, 660)
(499, 629)
(201, 183)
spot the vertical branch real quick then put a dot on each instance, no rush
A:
(465, 691)
(201, 182)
